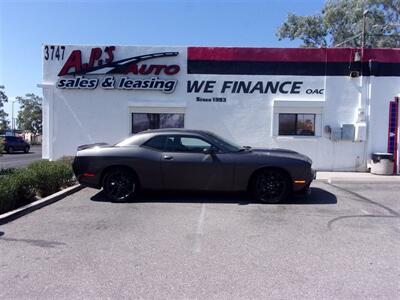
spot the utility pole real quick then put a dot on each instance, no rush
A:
(365, 13)
(12, 117)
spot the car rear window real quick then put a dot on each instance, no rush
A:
(157, 142)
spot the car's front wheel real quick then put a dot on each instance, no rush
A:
(271, 186)
(26, 149)
(10, 150)
(120, 184)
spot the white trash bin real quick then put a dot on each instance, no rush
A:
(382, 163)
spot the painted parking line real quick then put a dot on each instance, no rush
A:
(199, 229)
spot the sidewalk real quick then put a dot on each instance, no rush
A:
(333, 177)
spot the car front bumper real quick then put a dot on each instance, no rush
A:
(314, 172)
(302, 183)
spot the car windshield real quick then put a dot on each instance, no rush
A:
(224, 143)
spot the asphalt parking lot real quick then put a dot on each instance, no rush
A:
(20, 159)
(339, 242)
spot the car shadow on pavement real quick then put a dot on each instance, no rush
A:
(315, 196)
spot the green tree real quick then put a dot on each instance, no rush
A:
(3, 115)
(340, 23)
(30, 115)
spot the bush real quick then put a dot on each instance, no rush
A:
(1, 146)
(20, 186)
(7, 171)
(67, 160)
(17, 188)
(51, 176)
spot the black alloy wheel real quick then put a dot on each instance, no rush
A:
(26, 149)
(119, 185)
(271, 186)
(10, 150)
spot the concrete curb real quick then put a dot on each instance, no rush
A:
(19, 212)
(357, 180)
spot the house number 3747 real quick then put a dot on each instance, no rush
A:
(54, 52)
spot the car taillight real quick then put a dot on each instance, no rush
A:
(88, 175)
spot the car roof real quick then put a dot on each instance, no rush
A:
(175, 131)
(143, 136)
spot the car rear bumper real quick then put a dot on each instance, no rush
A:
(84, 176)
(89, 181)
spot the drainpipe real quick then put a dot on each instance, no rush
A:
(365, 92)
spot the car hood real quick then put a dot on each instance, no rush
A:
(277, 152)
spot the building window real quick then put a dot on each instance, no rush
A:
(144, 121)
(297, 124)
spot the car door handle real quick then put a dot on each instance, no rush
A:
(167, 157)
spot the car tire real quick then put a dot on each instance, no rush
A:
(271, 186)
(120, 185)
(10, 150)
(26, 149)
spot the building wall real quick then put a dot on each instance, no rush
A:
(382, 91)
(80, 116)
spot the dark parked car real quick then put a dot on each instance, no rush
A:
(15, 143)
(182, 159)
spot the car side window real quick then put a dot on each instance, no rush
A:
(157, 142)
(186, 144)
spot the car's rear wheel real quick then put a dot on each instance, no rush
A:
(26, 149)
(120, 184)
(271, 186)
(10, 149)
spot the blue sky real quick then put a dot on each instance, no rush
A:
(26, 24)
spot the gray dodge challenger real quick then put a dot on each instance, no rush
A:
(181, 159)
